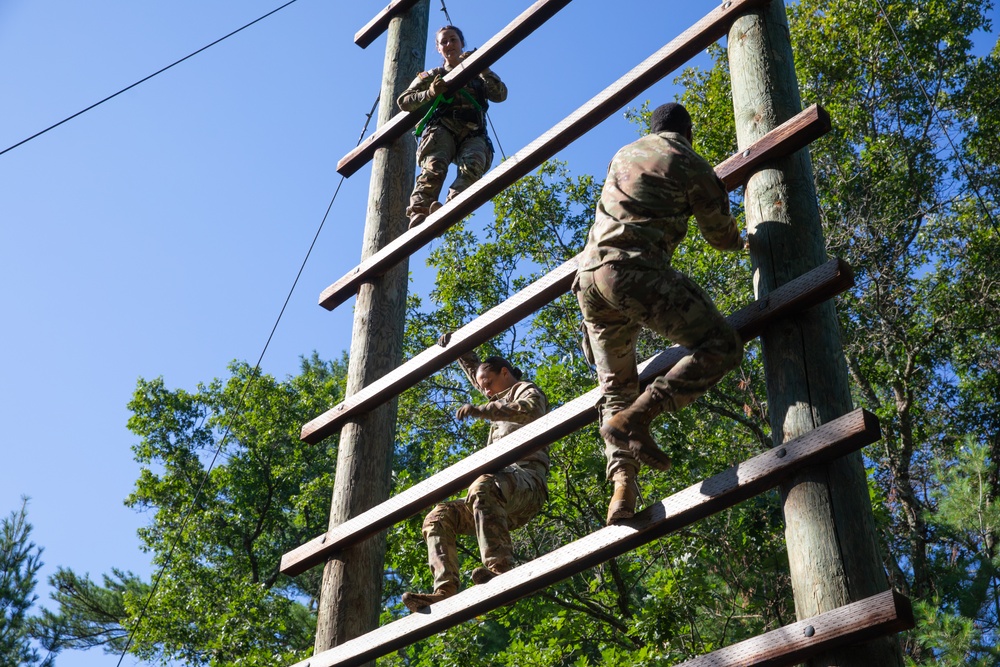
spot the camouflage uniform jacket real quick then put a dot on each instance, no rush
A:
(461, 115)
(509, 410)
(654, 185)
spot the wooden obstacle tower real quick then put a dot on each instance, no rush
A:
(847, 615)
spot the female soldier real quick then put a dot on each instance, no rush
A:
(455, 130)
(496, 503)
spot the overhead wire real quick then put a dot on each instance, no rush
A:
(958, 156)
(240, 403)
(445, 10)
(144, 79)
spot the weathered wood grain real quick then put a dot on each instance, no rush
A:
(696, 502)
(809, 290)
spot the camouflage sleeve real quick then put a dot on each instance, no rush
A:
(529, 405)
(710, 204)
(496, 90)
(417, 95)
(470, 364)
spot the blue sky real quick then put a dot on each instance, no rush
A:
(159, 234)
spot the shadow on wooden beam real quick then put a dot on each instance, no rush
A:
(803, 292)
(764, 471)
(855, 623)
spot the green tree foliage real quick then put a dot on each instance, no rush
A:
(20, 561)
(908, 190)
(230, 487)
(651, 604)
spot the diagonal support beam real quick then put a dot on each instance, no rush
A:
(854, 623)
(745, 480)
(380, 23)
(483, 57)
(807, 290)
(784, 140)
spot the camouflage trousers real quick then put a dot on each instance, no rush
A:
(438, 148)
(495, 505)
(617, 301)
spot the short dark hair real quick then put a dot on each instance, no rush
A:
(461, 37)
(670, 117)
(496, 364)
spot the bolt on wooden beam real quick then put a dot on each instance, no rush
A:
(875, 616)
(807, 290)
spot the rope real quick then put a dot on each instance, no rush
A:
(240, 403)
(445, 10)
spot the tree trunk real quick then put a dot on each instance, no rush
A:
(829, 526)
(351, 591)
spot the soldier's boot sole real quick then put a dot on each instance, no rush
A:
(417, 601)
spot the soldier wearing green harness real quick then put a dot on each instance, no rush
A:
(454, 129)
(495, 503)
(625, 281)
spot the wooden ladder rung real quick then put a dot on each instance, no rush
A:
(805, 291)
(790, 136)
(854, 623)
(380, 23)
(764, 471)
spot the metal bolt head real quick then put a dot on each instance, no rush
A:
(809, 631)
(781, 453)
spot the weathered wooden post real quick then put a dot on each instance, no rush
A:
(350, 595)
(829, 527)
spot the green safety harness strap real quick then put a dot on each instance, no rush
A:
(437, 101)
(430, 112)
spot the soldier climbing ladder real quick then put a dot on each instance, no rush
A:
(817, 434)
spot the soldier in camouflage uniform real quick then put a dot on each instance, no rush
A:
(495, 503)
(455, 131)
(625, 281)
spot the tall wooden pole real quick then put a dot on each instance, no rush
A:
(829, 527)
(351, 590)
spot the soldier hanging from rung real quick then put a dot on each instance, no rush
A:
(453, 129)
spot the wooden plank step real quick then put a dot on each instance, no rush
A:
(764, 471)
(433, 359)
(484, 56)
(380, 23)
(805, 291)
(784, 140)
(854, 623)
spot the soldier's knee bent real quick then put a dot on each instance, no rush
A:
(434, 519)
(483, 490)
(435, 167)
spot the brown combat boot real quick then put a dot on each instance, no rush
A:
(417, 601)
(435, 205)
(624, 497)
(417, 215)
(481, 575)
(630, 429)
